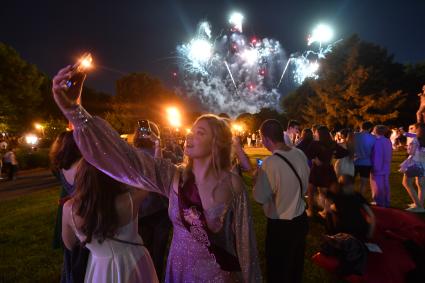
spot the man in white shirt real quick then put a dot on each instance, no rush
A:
(291, 133)
(279, 187)
(11, 163)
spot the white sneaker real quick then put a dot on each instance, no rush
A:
(411, 205)
(373, 203)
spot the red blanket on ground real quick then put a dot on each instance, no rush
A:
(393, 226)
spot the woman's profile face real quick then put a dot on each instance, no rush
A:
(199, 140)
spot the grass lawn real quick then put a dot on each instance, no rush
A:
(26, 228)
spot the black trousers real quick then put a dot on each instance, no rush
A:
(155, 230)
(11, 170)
(285, 246)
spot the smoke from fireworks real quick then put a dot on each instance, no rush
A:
(235, 74)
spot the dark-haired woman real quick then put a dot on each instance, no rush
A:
(322, 174)
(416, 160)
(64, 157)
(102, 215)
(305, 140)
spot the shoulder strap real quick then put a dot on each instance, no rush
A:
(125, 242)
(72, 219)
(293, 169)
(131, 205)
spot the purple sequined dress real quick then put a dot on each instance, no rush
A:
(189, 259)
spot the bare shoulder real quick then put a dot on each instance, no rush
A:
(67, 206)
(66, 211)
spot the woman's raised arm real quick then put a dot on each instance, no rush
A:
(101, 145)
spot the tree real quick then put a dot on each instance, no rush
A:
(358, 81)
(140, 96)
(268, 113)
(295, 101)
(19, 88)
(414, 79)
(248, 120)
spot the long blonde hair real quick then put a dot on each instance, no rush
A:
(221, 143)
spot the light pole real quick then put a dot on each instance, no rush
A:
(39, 127)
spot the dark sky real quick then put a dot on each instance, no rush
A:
(132, 36)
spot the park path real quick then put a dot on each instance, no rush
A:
(27, 181)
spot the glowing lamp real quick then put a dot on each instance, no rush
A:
(31, 139)
(174, 117)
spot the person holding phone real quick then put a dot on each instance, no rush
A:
(154, 223)
(213, 237)
(280, 185)
(259, 162)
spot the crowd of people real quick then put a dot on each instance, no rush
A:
(8, 161)
(119, 201)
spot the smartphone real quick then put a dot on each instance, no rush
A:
(144, 127)
(80, 67)
(259, 162)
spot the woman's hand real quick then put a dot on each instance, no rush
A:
(65, 96)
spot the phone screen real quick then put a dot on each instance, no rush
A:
(259, 162)
(144, 127)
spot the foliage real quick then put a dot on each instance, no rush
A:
(139, 96)
(28, 159)
(248, 121)
(412, 83)
(20, 84)
(358, 81)
(295, 101)
(268, 113)
(96, 102)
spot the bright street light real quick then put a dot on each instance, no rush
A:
(31, 139)
(174, 117)
(39, 127)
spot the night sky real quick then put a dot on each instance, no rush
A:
(134, 36)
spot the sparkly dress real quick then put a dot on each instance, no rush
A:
(189, 258)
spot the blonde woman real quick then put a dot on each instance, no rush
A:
(213, 239)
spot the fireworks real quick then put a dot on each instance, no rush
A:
(233, 73)
(322, 33)
(236, 20)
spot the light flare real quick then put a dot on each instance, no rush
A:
(236, 20)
